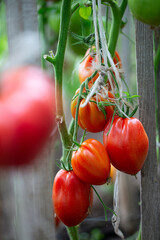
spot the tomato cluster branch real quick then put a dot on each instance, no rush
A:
(117, 12)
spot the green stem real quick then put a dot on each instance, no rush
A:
(77, 110)
(117, 12)
(73, 232)
(58, 62)
(58, 66)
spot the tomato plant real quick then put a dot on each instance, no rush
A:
(146, 11)
(26, 114)
(86, 66)
(91, 162)
(71, 197)
(127, 144)
(96, 119)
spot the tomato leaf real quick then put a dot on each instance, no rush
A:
(85, 12)
(134, 111)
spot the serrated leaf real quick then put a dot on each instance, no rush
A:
(85, 12)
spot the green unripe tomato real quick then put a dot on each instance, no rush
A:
(147, 11)
(76, 25)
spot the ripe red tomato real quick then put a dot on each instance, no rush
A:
(147, 11)
(85, 67)
(127, 144)
(27, 107)
(91, 162)
(91, 117)
(71, 198)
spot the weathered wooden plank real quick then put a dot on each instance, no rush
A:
(150, 191)
(25, 194)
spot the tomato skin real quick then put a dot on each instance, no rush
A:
(85, 67)
(91, 162)
(95, 120)
(71, 198)
(127, 144)
(27, 107)
(146, 11)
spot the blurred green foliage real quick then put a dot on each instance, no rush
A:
(3, 34)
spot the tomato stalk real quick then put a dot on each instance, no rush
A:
(117, 12)
(58, 62)
(73, 232)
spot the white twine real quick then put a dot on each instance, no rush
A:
(106, 53)
(106, 56)
(96, 31)
(93, 90)
(116, 218)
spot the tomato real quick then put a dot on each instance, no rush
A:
(77, 26)
(91, 162)
(85, 67)
(71, 198)
(91, 117)
(127, 144)
(27, 107)
(147, 11)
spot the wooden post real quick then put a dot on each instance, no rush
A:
(150, 186)
(157, 44)
(25, 194)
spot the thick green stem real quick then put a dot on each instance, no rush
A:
(117, 13)
(58, 62)
(73, 232)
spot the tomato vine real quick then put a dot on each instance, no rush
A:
(106, 74)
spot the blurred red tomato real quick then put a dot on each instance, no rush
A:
(27, 109)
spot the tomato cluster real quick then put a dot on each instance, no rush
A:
(125, 147)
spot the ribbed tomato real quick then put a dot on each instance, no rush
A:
(71, 197)
(91, 162)
(27, 114)
(86, 66)
(91, 117)
(127, 144)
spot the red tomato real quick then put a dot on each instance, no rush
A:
(91, 117)
(71, 198)
(27, 107)
(91, 162)
(85, 67)
(127, 144)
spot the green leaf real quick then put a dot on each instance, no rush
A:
(134, 111)
(85, 12)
